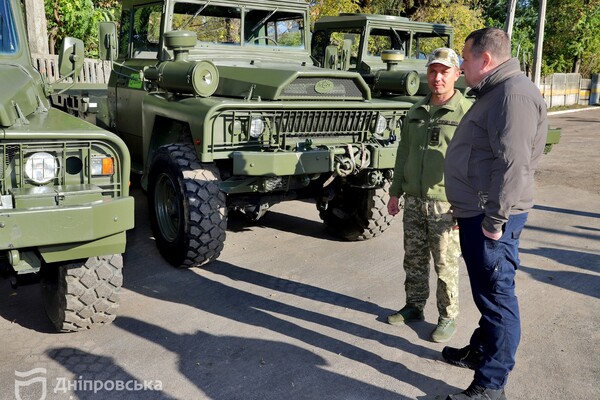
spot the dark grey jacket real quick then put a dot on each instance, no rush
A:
(491, 160)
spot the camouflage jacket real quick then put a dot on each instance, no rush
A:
(419, 169)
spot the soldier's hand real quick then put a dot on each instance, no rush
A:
(393, 205)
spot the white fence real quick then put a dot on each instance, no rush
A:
(94, 71)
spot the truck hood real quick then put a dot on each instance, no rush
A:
(271, 81)
(20, 96)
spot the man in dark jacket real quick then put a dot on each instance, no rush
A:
(489, 170)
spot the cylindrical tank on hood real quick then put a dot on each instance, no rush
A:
(199, 78)
(397, 81)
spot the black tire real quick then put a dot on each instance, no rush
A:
(82, 294)
(357, 214)
(188, 211)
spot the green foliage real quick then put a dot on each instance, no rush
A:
(322, 8)
(571, 38)
(570, 34)
(572, 43)
(456, 13)
(394, 7)
(78, 18)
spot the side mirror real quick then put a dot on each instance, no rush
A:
(331, 57)
(346, 53)
(107, 41)
(70, 57)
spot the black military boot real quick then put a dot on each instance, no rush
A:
(464, 358)
(477, 392)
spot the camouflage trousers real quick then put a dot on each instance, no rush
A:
(430, 231)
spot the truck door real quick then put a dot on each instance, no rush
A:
(138, 47)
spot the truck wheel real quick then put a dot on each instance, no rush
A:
(187, 208)
(357, 214)
(82, 294)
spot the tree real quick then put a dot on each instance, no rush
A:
(405, 8)
(78, 18)
(572, 44)
(457, 13)
(322, 8)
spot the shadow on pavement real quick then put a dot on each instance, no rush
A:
(24, 305)
(99, 377)
(237, 222)
(577, 282)
(226, 301)
(230, 367)
(566, 211)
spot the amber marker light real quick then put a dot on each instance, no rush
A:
(103, 166)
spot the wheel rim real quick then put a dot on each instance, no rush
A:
(166, 207)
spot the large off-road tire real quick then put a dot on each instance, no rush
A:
(188, 211)
(82, 294)
(357, 214)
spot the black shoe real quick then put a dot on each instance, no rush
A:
(477, 392)
(464, 358)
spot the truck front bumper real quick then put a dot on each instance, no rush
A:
(255, 163)
(68, 232)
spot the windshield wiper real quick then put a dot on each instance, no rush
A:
(262, 21)
(398, 38)
(195, 15)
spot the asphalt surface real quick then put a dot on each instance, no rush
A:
(288, 312)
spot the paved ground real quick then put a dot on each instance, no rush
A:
(288, 312)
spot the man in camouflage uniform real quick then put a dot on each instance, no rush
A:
(429, 227)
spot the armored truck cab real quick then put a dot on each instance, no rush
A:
(222, 109)
(64, 204)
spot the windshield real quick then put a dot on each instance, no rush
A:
(9, 43)
(416, 46)
(236, 26)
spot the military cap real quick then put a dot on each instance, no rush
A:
(444, 56)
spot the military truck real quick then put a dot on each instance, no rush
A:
(390, 52)
(64, 204)
(222, 109)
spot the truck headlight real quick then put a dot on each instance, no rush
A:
(103, 166)
(41, 167)
(381, 124)
(257, 127)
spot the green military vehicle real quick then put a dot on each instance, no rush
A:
(389, 52)
(222, 109)
(64, 204)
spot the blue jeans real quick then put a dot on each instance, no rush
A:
(492, 266)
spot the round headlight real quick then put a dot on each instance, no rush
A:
(235, 128)
(257, 127)
(381, 124)
(41, 167)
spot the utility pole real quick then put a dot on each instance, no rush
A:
(510, 17)
(36, 26)
(539, 44)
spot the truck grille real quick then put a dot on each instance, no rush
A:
(313, 123)
(72, 161)
(324, 123)
(306, 88)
